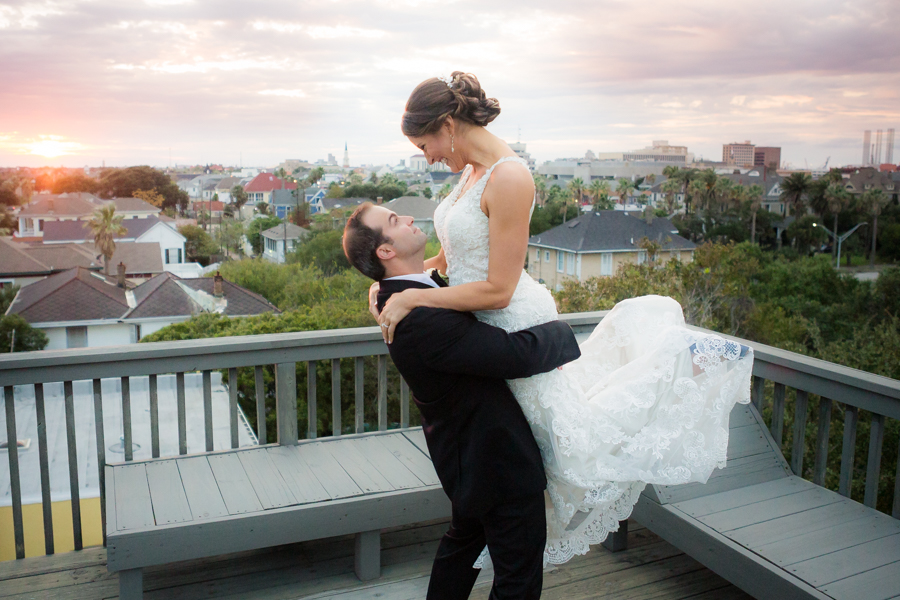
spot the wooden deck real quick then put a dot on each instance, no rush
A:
(650, 568)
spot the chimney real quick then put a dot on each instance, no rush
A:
(379, 200)
(217, 285)
(120, 275)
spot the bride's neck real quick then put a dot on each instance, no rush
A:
(483, 148)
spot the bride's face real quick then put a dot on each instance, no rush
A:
(437, 148)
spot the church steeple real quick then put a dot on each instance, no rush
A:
(346, 157)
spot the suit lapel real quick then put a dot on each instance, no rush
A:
(388, 288)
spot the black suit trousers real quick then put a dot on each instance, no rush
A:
(515, 533)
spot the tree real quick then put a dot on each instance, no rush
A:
(334, 191)
(873, 202)
(624, 187)
(106, 225)
(239, 197)
(576, 189)
(256, 227)
(804, 235)
(198, 246)
(151, 196)
(75, 182)
(427, 192)
(7, 221)
(355, 179)
(754, 197)
(444, 191)
(323, 250)
(301, 218)
(540, 188)
(16, 330)
(670, 188)
(599, 190)
(123, 183)
(838, 199)
(794, 188)
(229, 235)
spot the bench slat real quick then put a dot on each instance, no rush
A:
(391, 467)
(364, 473)
(747, 441)
(767, 510)
(235, 486)
(170, 504)
(743, 497)
(880, 584)
(328, 471)
(417, 437)
(297, 475)
(265, 479)
(681, 493)
(133, 507)
(740, 417)
(838, 565)
(409, 455)
(200, 487)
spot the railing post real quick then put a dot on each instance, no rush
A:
(799, 432)
(758, 393)
(43, 458)
(777, 426)
(848, 450)
(335, 397)
(233, 406)
(15, 483)
(101, 452)
(73, 463)
(259, 380)
(360, 393)
(382, 392)
(873, 461)
(824, 426)
(286, 403)
(312, 415)
(207, 410)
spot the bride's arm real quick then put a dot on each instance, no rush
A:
(507, 203)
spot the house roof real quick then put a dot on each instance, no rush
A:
(77, 294)
(213, 205)
(139, 258)
(329, 204)
(417, 207)
(60, 205)
(610, 230)
(293, 232)
(227, 183)
(167, 295)
(15, 260)
(132, 205)
(59, 257)
(78, 231)
(266, 182)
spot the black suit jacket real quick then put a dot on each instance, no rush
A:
(480, 443)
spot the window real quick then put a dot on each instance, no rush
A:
(677, 255)
(76, 337)
(270, 245)
(559, 262)
(5, 283)
(606, 264)
(570, 263)
(546, 256)
(173, 256)
(641, 257)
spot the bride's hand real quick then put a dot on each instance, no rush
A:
(394, 311)
(373, 299)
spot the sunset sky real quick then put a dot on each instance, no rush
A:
(189, 81)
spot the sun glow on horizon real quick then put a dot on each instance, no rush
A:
(51, 146)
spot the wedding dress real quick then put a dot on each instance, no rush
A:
(647, 402)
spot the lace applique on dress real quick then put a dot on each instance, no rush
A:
(647, 402)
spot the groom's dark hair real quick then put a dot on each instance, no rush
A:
(360, 243)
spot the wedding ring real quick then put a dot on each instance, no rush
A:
(384, 325)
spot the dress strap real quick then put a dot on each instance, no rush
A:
(487, 174)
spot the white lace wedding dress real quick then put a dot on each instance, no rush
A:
(647, 402)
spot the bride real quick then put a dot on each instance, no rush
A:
(649, 399)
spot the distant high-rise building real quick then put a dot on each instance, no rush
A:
(877, 157)
(519, 149)
(889, 147)
(767, 156)
(346, 157)
(867, 147)
(739, 154)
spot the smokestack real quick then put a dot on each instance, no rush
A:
(889, 147)
(217, 285)
(867, 147)
(877, 148)
(120, 275)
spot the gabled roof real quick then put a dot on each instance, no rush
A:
(60, 205)
(266, 182)
(285, 231)
(241, 301)
(78, 231)
(15, 260)
(132, 205)
(213, 205)
(416, 207)
(227, 183)
(74, 295)
(329, 204)
(610, 230)
(59, 257)
(139, 258)
(167, 295)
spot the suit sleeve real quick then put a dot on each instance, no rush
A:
(458, 343)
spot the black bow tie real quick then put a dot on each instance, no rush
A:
(438, 279)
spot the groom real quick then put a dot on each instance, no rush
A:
(480, 443)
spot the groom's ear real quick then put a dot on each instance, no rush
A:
(385, 252)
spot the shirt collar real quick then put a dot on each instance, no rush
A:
(419, 277)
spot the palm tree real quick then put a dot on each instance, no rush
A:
(670, 188)
(838, 199)
(540, 188)
(106, 225)
(754, 196)
(696, 191)
(723, 190)
(576, 187)
(708, 178)
(793, 189)
(873, 202)
(599, 190)
(624, 187)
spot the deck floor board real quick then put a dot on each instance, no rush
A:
(650, 568)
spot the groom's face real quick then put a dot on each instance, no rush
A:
(407, 240)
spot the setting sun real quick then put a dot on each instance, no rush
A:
(52, 146)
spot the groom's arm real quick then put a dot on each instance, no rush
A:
(456, 342)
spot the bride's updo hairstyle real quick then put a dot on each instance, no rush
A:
(435, 99)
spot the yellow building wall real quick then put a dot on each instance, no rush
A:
(63, 538)
(539, 269)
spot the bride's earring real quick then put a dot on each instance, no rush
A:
(451, 143)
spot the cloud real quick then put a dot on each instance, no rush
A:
(288, 93)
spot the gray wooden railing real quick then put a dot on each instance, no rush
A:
(856, 390)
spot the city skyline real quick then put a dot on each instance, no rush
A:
(188, 82)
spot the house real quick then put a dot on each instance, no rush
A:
(280, 240)
(598, 243)
(45, 208)
(419, 208)
(171, 243)
(283, 202)
(223, 188)
(80, 308)
(260, 188)
(22, 264)
(212, 208)
(342, 204)
(865, 179)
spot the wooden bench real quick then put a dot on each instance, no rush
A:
(168, 510)
(775, 535)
